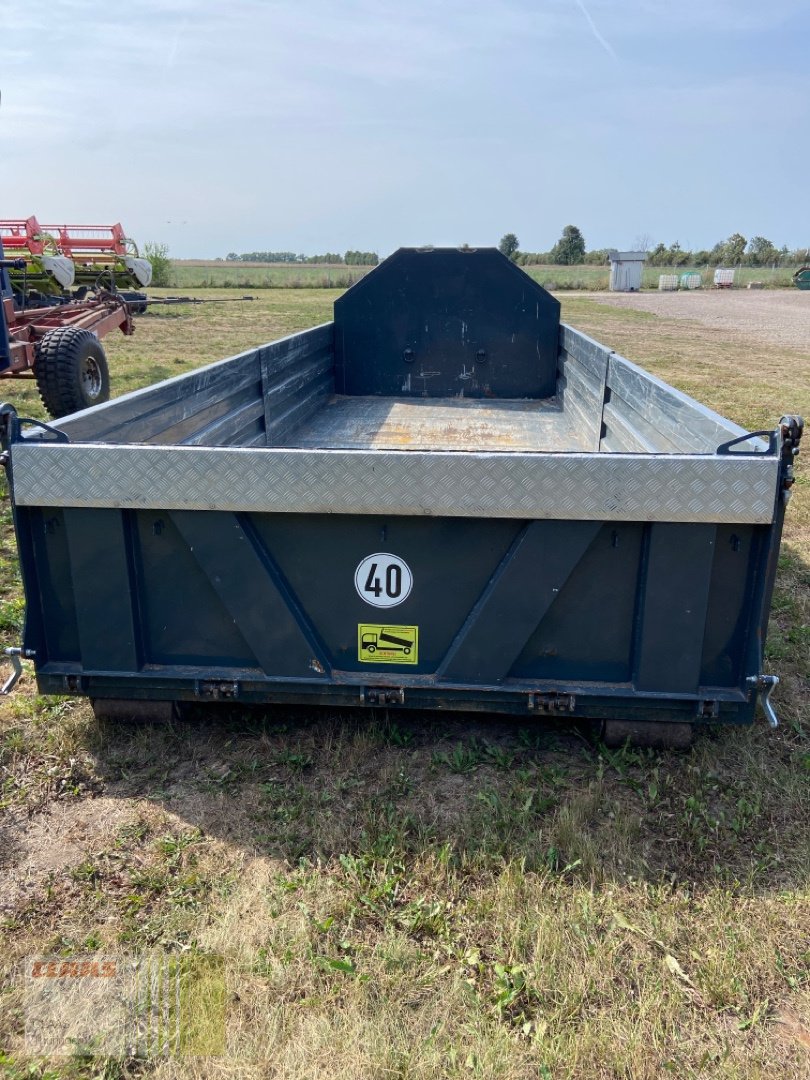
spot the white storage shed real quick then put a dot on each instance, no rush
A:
(625, 270)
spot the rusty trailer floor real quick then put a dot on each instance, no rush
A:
(385, 423)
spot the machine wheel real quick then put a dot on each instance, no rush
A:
(121, 710)
(648, 734)
(71, 371)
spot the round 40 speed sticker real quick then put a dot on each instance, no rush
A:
(383, 580)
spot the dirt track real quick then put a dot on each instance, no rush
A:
(777, 317)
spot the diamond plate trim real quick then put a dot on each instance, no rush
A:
(609, 487)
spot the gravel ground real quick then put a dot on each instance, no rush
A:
(779, 316)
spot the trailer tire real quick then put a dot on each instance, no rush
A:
(647, 734)
(71, 371)
(122, 710)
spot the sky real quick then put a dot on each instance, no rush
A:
(319, 125)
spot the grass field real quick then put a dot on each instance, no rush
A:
(420, 896)
(192, 274)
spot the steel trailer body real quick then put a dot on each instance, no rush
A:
(576, 537)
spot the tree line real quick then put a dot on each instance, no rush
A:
(571, 250)
(349, 258)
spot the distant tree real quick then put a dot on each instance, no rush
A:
(658, 256)
(361, 258)
(701, 258)
(676, 256)
(643, 242)
(762, 252)
(733, 249)
(570, 248)
(508, 245)
(599, 256)
(158, 256)
(232, 256)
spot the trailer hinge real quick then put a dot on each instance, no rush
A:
(791, 428)
(708, 709)
(765, 685)
(216, 690)
(382, 695)
(552, 703)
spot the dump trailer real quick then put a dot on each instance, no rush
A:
(443, 499)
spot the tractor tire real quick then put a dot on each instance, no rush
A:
(71, 371)
(647, 734)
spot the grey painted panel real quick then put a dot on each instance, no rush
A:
(472, 424)
(589, 353)
(676, 600)
(183, 428)
(589, 386)
(582, 373)
(114, 418)
(582, 421)
(226, 429)
(621, 487)
(282, 419)
(102, 590)
(253, 592)
(581, 396)
(517, 597)
(631, 436)
(678, 417)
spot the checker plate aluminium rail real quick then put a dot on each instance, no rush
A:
(618, 487)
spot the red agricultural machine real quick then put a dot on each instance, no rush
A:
(57, 257)
(58, 343)
(63, 288)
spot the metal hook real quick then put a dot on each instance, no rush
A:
(766, 684)
(14, 677)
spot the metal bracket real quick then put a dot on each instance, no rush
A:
(382, 695)
(14, 677)
(708, 708)
(217, 690)
(765, 685)
(791, 429)
(11, 425)
(773, 444)
(552, 703)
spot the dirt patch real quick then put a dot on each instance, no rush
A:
(778, 317)
(54, 841)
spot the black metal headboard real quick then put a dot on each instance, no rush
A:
(447, 322)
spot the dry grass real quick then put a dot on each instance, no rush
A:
(402, 895)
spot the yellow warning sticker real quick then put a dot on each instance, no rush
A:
(378, 644)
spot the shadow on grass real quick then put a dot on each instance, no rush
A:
(300, 784)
